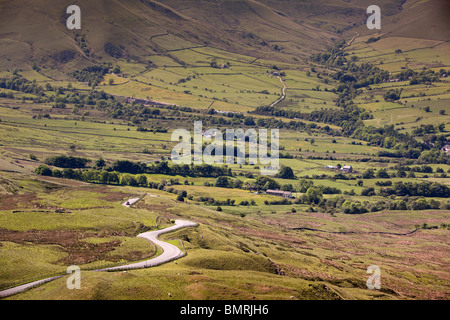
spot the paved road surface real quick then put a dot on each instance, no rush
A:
(170, 253)
(130, 202)
(283, 91)
(12, 291)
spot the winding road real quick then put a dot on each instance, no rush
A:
(170, 253)
(283, 93)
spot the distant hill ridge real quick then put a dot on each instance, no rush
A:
(36, 33)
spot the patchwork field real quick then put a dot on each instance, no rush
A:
(328, 260)
(86, 123)
(279, 262)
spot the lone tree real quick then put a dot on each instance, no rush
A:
(264, 183)
(222, 182)
(286, 173)
(393, 95)
(314, 195)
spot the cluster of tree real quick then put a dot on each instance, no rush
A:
(433, 156)
(211, 201)
(203, 170)
(357, 207)
(181, 194)
(19, 83)
(63, 161)
(305, 184)
(423, 168)
(100, 99)
(408, 153)
(227, 202)
(156, 130)
(82, 43)
(92, 175)
(420, 189)
(124, 172)
(430, 129)
(227, 182)
(373, 39)
(347, 119)
(351, 207)
(133, 112)
(69, 95)
(389, 138)
(427, 156)
(424, 76)
(188, 109)
(126, 166)
(351, 77)
(281, 201)
(141, 181)
(386, 183)
(359, 75)
(393, 95)
(407, 204)
(445, 226)
(329, 190)
(293, 124)
(247, 203)
(286, 172)
(262, 183)
(348, 206)
(63, 96)
(91, 75)
(398, 171)
(352, 74)
(333, 56)
(113, 178)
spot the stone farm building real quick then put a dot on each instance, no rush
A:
(279, 193)
(347, 169)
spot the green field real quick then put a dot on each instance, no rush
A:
(310, 69)
(223, 249)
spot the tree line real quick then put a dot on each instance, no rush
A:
(351, 77)
(126, 166)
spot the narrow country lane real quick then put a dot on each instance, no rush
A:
(170, 253)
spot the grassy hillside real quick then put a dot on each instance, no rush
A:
(131, 29)
(417, 19)
(258, 256)
(308, 68)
